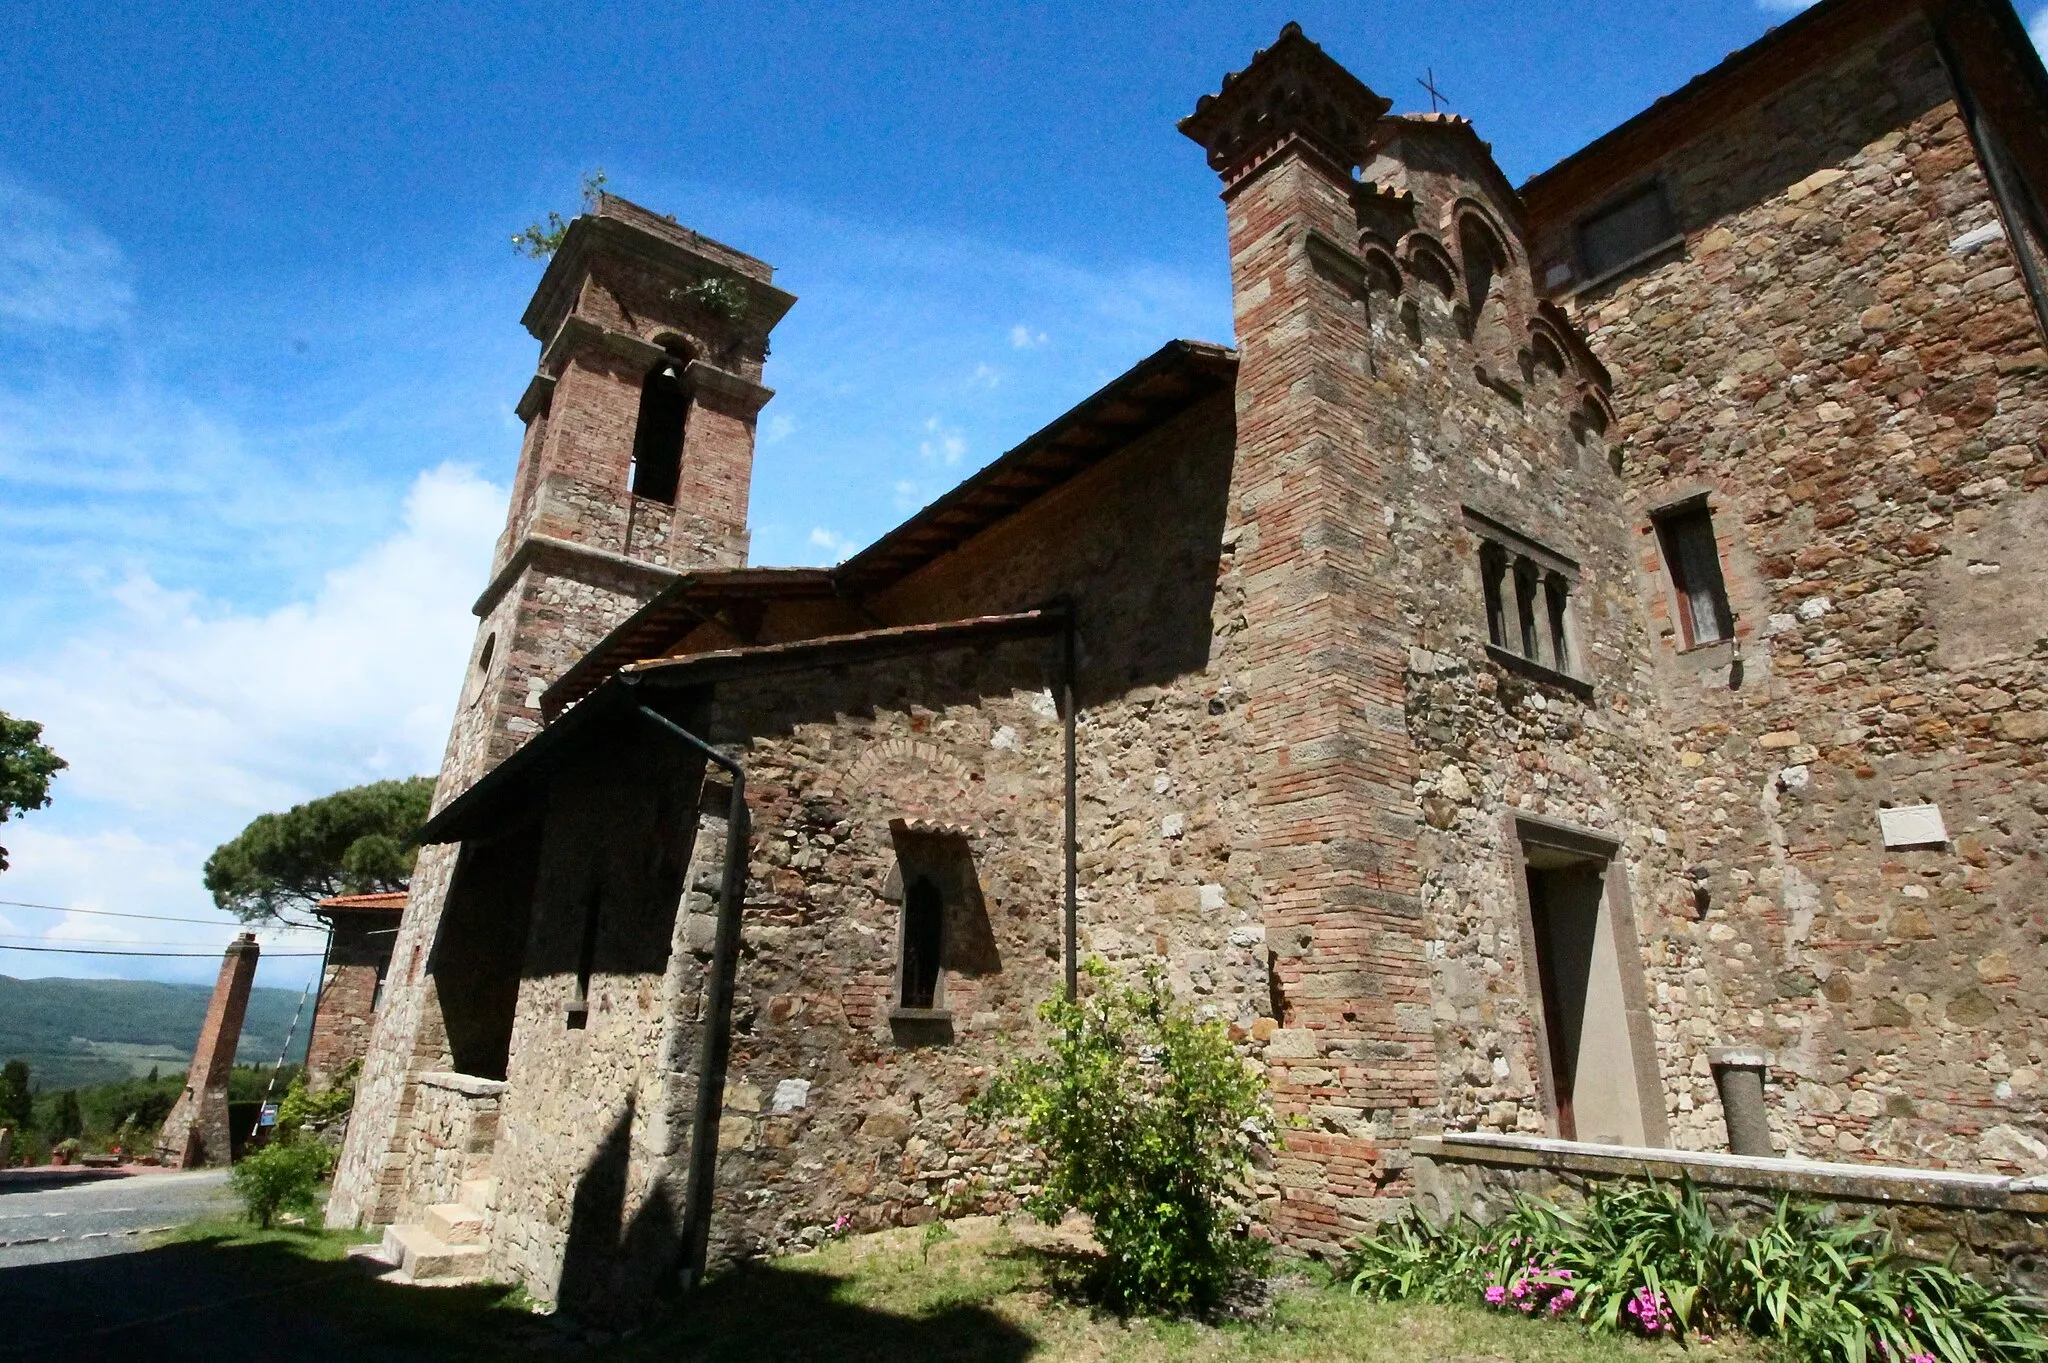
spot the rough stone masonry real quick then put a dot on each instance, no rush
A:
(1578, 635)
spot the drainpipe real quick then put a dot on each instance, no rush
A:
(1067, 705)
(715, 1048)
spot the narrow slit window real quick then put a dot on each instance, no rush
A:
(924, 930)
(586, 962)
(1557, 601)
(1694, 561)
(658, 438)
(1493, 567)
(1528, 611)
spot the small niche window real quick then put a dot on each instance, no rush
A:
(1625, 231)
(1686, 533)
(924, 933)
(658, 438)
(1528, 592)
(483, 667)
(586, 963)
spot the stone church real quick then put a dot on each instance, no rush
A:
(1581, 652)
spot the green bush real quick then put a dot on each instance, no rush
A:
(299, 1108)
(1648, 1258)
(284, 1177)
(1143, 1118)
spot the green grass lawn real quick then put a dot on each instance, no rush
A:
(987, 1295)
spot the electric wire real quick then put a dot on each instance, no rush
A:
(192, 955)
(151, 917)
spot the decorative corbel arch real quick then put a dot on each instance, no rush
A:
(1382, 265)
(1423, 256)
(1584, 362)
(1466, 215)
(1594, 413)
(1548, 348)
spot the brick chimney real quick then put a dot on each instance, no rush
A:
(196, 1132)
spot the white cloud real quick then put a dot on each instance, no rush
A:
(181, 704)
(832, 542)
(183, 718)
(942, 444)
(2038, 31)
(1785, 6)
(777, 428)
(906, 496)
(985, 375)
(1024, 338)
(57, 270)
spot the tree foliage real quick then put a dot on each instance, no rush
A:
(1143, 1118)
(538, 242)
(17, 1099)
(26, 767)
(356, 841)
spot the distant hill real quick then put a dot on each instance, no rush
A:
(78, 1032)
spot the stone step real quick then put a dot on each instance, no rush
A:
(455, 1224)
(477, 1193)
(425, 1257)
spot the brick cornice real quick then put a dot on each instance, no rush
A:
(625, 231)
(1292, 98)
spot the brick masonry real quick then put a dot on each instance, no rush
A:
(196, 1130)
(362, 929)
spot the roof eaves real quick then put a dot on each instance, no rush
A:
(502, 785)
(1783, 53)
(1129, 406)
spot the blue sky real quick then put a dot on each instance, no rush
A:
(262, 310)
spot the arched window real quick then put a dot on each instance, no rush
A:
(658, 439)
(924, 922)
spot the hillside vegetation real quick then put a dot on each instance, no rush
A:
(79, 1032)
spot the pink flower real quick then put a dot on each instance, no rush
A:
(1495, 1295)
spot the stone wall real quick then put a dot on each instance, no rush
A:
(835, 1106)
(1842, 356)
(453, 1131)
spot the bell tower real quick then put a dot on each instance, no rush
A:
(635, 468)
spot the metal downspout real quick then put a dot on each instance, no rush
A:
(715, 1048)
(1067, 706)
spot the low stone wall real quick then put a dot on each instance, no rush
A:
(1996, 1226)
(454, 1129)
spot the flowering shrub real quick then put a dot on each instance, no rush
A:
(1142, 1118)
(1648, 1259)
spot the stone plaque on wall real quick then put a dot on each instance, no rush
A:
(1912, 826)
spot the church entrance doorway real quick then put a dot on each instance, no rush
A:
(1593, 1027)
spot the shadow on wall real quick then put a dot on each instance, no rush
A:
(612, 1267)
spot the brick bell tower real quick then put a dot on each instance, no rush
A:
(636, 466)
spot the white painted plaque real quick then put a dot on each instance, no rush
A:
(1912, 825)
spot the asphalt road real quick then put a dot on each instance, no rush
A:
(89, 1220)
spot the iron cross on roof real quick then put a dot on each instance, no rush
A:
(1436, 96)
